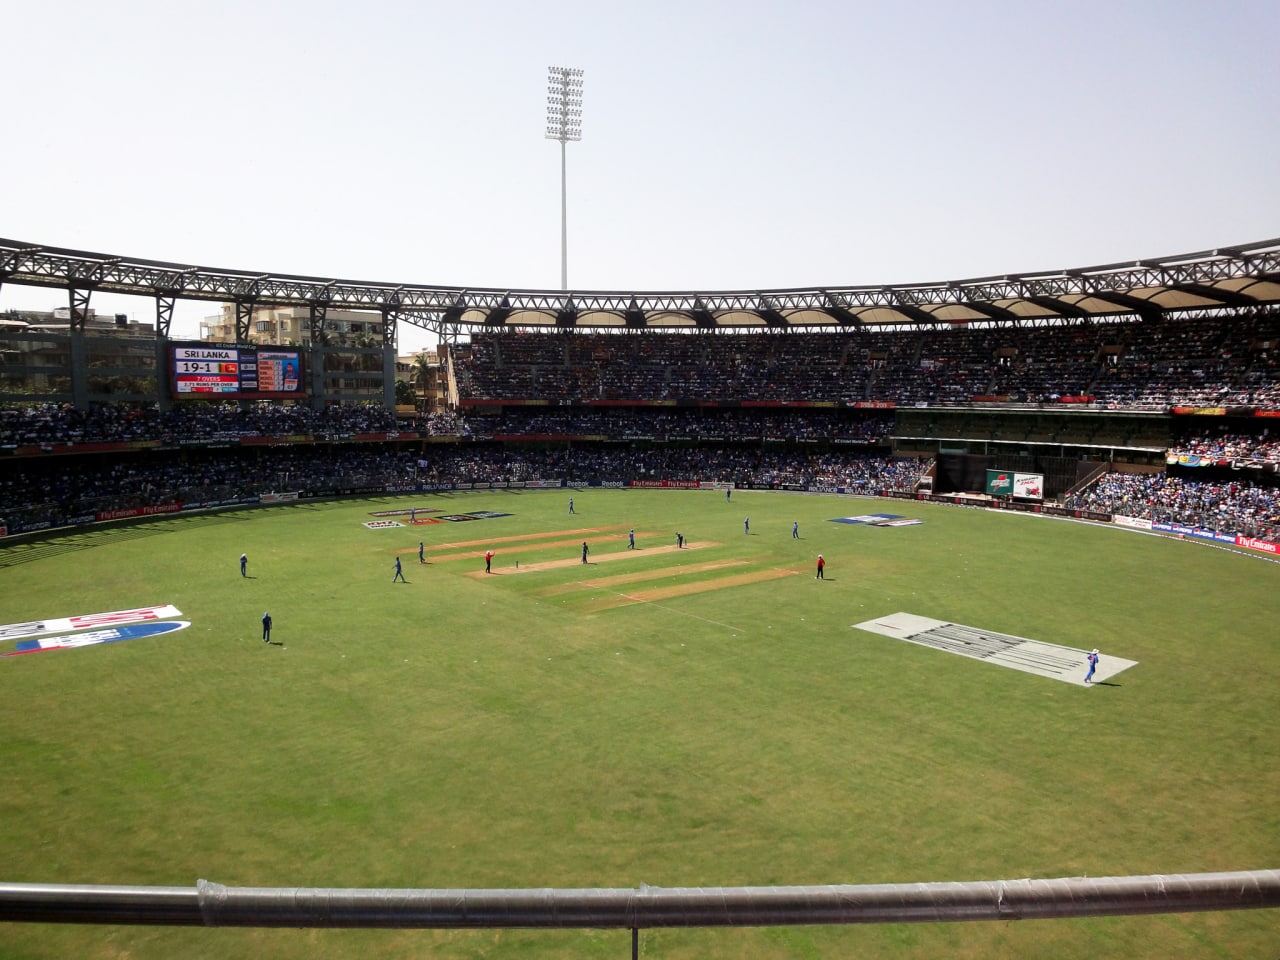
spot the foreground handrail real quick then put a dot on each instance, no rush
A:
(212, 904)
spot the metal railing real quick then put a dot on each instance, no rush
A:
(214, 905)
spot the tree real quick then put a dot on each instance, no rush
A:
(423, 370)
(368, 343)
(404, 393)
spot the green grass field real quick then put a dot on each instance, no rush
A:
(703, 717)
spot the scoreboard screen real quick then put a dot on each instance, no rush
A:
(209, 371)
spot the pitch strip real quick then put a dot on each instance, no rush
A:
(1005, 650)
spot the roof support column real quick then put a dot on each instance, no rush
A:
(318, 313)
(244, 314)
(164, 322)
(79, 352)
(79, 302)
(390, 323)
(164, 314)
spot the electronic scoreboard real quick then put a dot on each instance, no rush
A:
(209, 371)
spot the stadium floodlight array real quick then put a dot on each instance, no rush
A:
(564, 123)
(564, 104)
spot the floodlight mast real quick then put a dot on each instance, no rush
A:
(564, 123)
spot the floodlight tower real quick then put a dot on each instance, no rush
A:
(564, 123)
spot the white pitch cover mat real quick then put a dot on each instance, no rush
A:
(1005, 650)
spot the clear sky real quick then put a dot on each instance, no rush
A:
(727, 144)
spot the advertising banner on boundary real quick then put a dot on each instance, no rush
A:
(1264, 546)
(999, 483)
(126, 513)
(1029, 486)
(1138, 523)
(1017, 505)
(1007, 483)
(1183, 530)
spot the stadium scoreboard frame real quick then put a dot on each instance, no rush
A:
(234, 372)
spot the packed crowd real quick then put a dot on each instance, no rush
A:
(1238, 507)
(1197, 362)
(1222, 443)
(63, 423)
(44, 424)
(725, 464)
(59, 491)
(683, 424)
(63, 490)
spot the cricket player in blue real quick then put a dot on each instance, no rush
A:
(631, 540)
(795, 530)
(399, 574)
(1093, 665)
(421, 558)
(244, 563)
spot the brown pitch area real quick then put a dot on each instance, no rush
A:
(576, 559)
(520, 544)
(638, 577)
(688, 589)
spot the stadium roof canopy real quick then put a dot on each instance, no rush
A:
(1234, 278)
